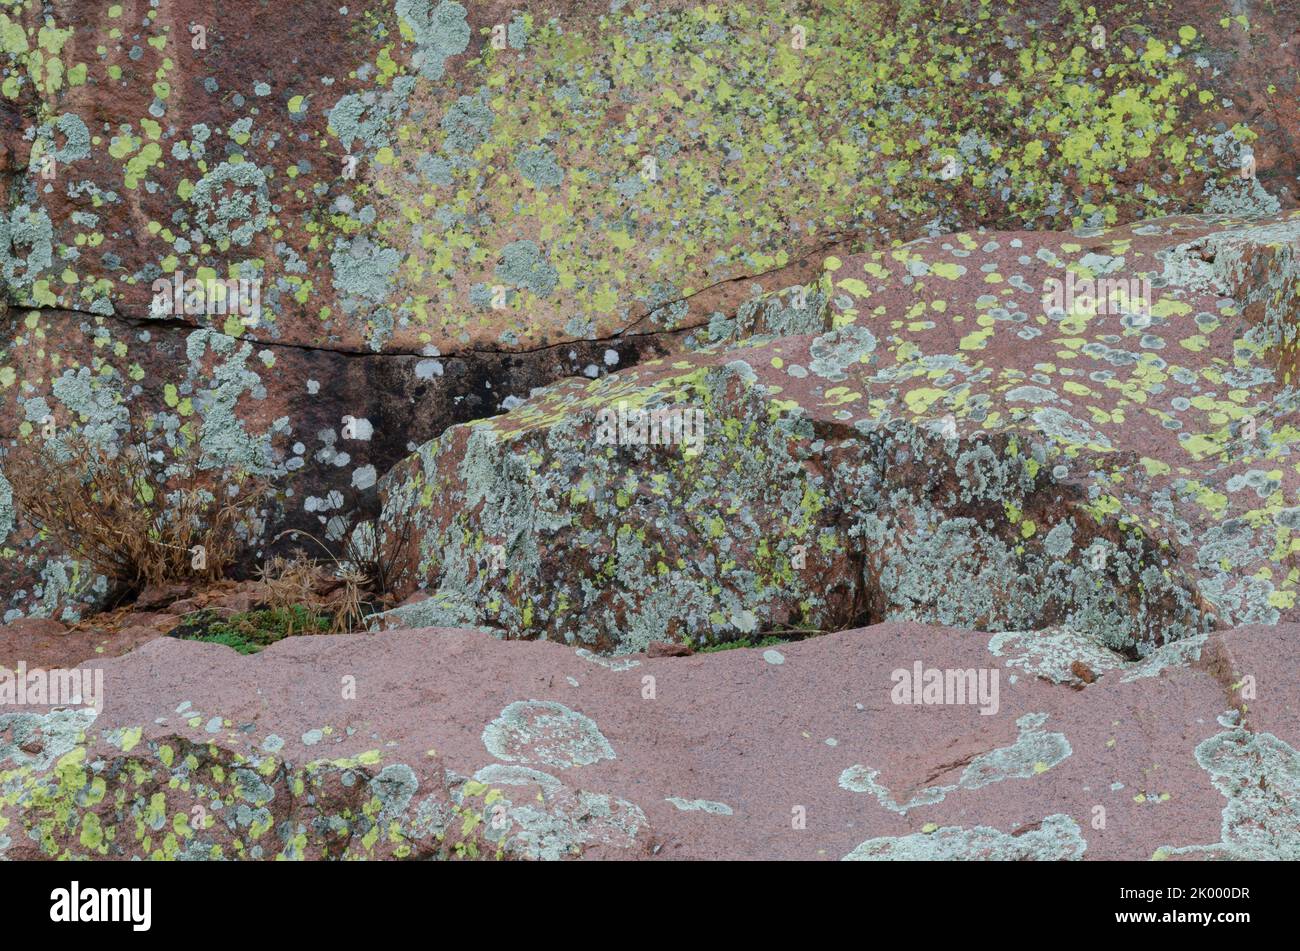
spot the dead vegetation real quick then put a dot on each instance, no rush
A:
(348, 587)
(300, 582)
(142, 513)
(139, 511)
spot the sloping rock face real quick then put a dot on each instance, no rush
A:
(320, 425)
(502, 147)
(405, 743)
(958, 448)
(439, 209)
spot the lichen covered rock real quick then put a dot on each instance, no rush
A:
(440, 743)
(319, 426)
(958, 449)
(512, 196)
(459, 176)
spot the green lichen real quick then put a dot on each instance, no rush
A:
(545, 732)
(1056, 838)
(1034, 751)
(1259, 775)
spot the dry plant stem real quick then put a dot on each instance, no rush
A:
(295, 582)
(136, 514)
(373, 570)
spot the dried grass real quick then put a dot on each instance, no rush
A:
(140, 514)
(302, 582)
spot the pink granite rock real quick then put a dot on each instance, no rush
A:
(818, 749)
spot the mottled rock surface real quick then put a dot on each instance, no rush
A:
(508, 147)
(375, 745)
(320, 425)
(954, 448)
(515, 195)
(970, 331)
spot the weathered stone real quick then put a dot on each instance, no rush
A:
(400, 216)
(667, 649)
(532, 193)
(183, 134)
(956, 450)
(533, 749)
(45, 643)
(320, 425)
(159, 596)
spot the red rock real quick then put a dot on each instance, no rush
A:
(149, 619)
(1082, 671)
(549, 252)
(129, 638)
(48, 644)
(159, 596)
(1004, 463)
(667, 649)
(238, 603)
(32, 627)
(731, 755)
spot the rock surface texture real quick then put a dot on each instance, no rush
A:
(439, 208)
(942, 442)
(400, 744)
(835, 430)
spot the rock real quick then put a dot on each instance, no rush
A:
(405, 248)
(667, 649)
(1155, 364)
(1082, 671)
(239, 602)
(32, 628)
(449, 727)
(128, 638)
(149, 619)
(301, 419)
(46, 644)
(33, 640)
(994, 462)
(423, 108)
(159, 596)
(612, 328)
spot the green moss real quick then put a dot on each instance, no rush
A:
(770, 641)
(251, 631)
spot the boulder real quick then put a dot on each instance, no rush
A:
(318, 425)
(410, 743)
(424, 174)
(45, 643)
(960, 447)
(425, 211)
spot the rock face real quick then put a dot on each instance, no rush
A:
(958, 448)
(642, 329)
(427, 210)
(321, 425)
(403, 743)
(602, 163)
